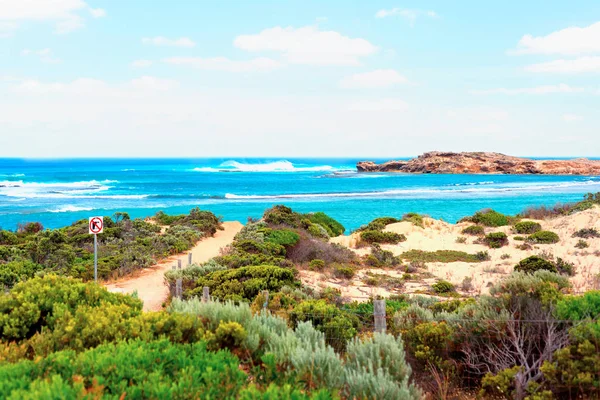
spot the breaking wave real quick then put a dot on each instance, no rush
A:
(274, 166)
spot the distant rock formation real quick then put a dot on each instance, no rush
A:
(436, 162)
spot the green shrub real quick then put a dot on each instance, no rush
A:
(474, 230)
(442, 287)
(519, 238)
(8, 238)
(283, 237)
(444, 256)
(495, 240)
(544, 237)
(34, 304)
(490, 218)
(133, 369)
(482, 256)
(461, 240)
(535, 263)
(282, 215)
(333, 227)
(413, 218)
(316, 265)
(373, 236)
(565, 267)
(244, 283)
(343, 271)
(582, 244)
(337, 325)
(587, 233)
(381, 258)
(378, 224)
(527, 227)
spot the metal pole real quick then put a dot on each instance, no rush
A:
(95, 258)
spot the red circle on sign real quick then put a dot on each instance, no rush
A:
(95, 225)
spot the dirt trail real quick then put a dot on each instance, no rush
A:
(150, 283)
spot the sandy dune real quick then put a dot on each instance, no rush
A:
(439, 235)
(149, 284)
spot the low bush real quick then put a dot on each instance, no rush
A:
(495, 240)
(543, 237)
(582, 244)
(337, 325)
(308, 249)
(413, 218)
(244, 283)
(474, 230)
(527, 227)
(587, 233)
(380, 258)
(444, 256)
(442, 287)
(283, 237)
(378, 224)
(461, 240)
(519, 238)
(490, 218)
(373, 236)
(316, 265)
(535, 263)
(133, 369)
(333, 227)
(343, 271)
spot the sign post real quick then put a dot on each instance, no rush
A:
(96, 226)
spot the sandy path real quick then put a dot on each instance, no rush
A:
(150, 283)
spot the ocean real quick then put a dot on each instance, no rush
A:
(59, 192)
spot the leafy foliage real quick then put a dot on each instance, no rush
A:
(445, 256)
(544, 237)
(489, 217)
(495, 240)
(527, 227)
(373, 236)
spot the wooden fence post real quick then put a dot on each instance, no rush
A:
(205, 294)
(266, 303)
(179, 264)
(179, 288)
(379, 315)
(189, 259)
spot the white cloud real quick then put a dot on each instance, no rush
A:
(569, 41)
(408, 14)
(152, 83)
(226, 64)
(45, 55)
(388, 104)
(572, 117)
(141, 63)
(93, 87)
(63, 12)
(373, 79)
(98, 12)
(163, 41)
(561, 88)
(308, 45)
(574, 66)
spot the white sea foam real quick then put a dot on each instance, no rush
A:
(53, 189)
(468, 192)
(274, 166)
(70, 208)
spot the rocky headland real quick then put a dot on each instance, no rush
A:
(437, 162)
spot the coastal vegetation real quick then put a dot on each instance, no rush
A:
(64, 336)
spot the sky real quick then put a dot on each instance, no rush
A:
(335, 78)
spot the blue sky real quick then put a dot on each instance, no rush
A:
(298, 78)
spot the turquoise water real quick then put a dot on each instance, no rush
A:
(58, 192)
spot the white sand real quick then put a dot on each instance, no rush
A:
(439, 235)
(150, 285)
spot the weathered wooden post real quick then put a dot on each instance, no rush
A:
(173, 267)
(189, 259)
(179, 288)
(179, 264)
(379, 315)
(205, 294)
(266, 295)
